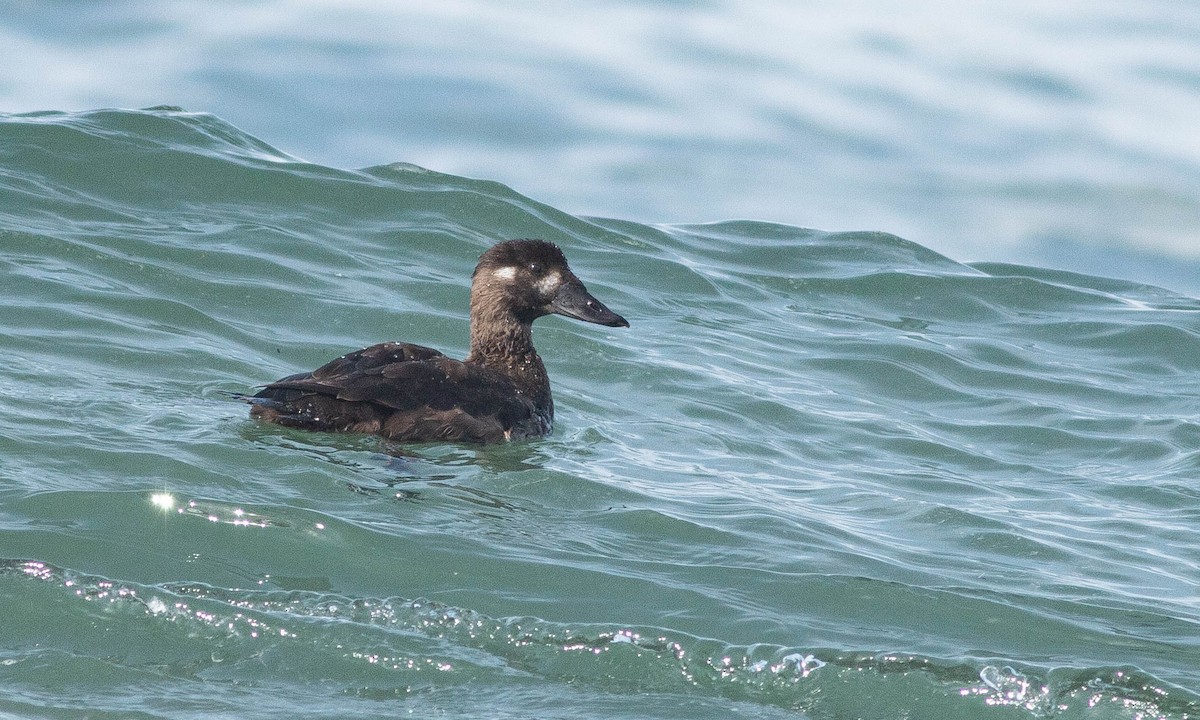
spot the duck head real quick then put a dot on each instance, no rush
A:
(531, 278)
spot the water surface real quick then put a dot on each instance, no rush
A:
(822, 475)
(1058, 135)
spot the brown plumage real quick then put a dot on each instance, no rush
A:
(413, 393)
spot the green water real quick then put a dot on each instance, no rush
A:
(826, 475)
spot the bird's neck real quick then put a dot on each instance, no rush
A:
(504, 344)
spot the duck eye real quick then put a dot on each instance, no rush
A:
(535, 268)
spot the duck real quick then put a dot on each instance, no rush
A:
(413, 394)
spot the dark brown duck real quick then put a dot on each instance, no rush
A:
(416, 394)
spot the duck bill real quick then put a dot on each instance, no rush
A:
(574, 301)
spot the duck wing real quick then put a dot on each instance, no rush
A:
(401, 391)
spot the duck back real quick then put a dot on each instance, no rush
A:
(403, 392)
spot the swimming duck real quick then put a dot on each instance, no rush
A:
(412, 393)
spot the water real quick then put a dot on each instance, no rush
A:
(1052, 134)
(824, 474)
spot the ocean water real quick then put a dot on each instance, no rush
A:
(822, 475)
(1059, 135)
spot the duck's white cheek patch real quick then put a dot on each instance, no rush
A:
(549, 284)
(505, 273)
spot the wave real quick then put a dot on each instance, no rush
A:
(402, 646)
(833, 472)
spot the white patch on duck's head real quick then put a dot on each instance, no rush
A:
(507, 272)
(549, 284)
